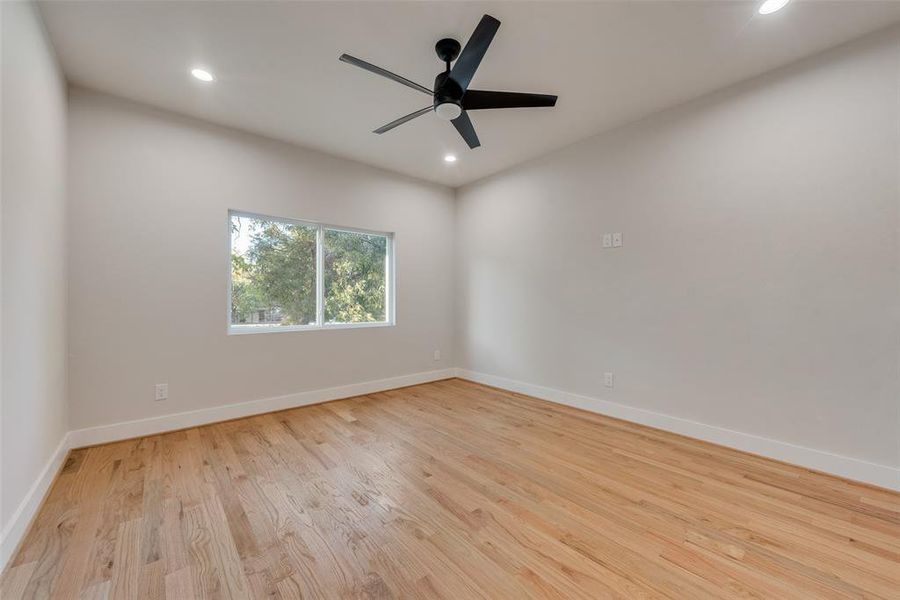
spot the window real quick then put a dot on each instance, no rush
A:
(290, 275)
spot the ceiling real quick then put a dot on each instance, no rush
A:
(278, 72)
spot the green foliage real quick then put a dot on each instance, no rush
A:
(283, 268)
(274, 277)
(246, 297)
(354, 277)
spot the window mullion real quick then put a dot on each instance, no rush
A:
(320, 276)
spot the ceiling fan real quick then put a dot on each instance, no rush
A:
(451, 95)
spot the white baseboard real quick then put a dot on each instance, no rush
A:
(844, 466)
(153, 425)
(18, 523)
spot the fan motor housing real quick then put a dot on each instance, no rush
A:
(447, 92)
(446, 89)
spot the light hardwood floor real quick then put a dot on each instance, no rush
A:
(449, 490)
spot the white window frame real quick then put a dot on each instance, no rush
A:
(320, 324)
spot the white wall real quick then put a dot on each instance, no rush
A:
(33, 394)
(149, 195)
(758, 288)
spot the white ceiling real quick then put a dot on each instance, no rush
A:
(279, 75)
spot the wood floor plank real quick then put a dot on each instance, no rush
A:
(16, 579)
(449, 490)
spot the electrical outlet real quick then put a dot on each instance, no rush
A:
(437, 355)
(608, 379)
(162, 391)
(607, 240)
(617, 240)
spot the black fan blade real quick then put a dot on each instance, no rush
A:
(479, 99)
(403, 120)
(466, 130)
(384, 73)
(465, 66)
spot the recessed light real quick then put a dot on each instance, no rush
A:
(203, 75)
(770, 6)
(449, 158)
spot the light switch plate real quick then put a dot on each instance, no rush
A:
(607, 240)
(617, 240)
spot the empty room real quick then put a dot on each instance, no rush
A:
(450, 299)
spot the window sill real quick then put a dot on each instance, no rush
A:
(253, 329)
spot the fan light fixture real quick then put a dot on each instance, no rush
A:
(447, 111)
